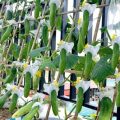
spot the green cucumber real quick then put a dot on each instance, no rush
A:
(37, 9)
(54, 102)
(59, 23)
(25, 51)
(105, 109)
(31, 114)
(115, 56)
(80, 98)
(12, 76)
(45, 34)
(62, 64)
(13, 103)
(23, 110)
(36, 81)
(4, 98)
(88, 65)
(27, 84)
(81, 42)
(53, 9)
(118, 95)
(85, 23)
(27, 26)
(83, 32)
(9, 15)
(6, 34)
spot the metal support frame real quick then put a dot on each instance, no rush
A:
(73, 76)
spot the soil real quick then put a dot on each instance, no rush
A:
(4, 114)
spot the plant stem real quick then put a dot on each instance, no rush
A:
(114, 99)
(48, 112)
(69, 115)
(98, 21)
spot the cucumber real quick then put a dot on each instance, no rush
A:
(6, 34)
(83, 31)
(27, 84)
(85, 23)
(105, 109)
(4, 98)
(54, 102)
(36, 81)
(118, 95)
(12, 76)
(59, 23)
(45, 34)
(23, 110)
(115, 56)
(88, 65)
(27, 26)
(63, 60)
(53, 9)
(80, 98)
(9, 15)
(13, 103)
(37, 9)
(81, 42)
(31, 114)
(25, 51)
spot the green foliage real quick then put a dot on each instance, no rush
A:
(101, 70)
(70, 58)
(36, 52)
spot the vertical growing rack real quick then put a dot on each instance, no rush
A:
(75, 12)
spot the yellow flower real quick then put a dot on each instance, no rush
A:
(49, 29)
(79, 21)
(77, 81)
(84, 3)
(61, 42)
(55, 83)
(25, 65)
(93, 115)
(38, 73)
(113, 36)
(117, 75)
(102, 88)
(86, 46)
(14, 88)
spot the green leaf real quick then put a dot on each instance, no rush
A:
(101, 70)
(105, 51)
(47, 63)
(15, 50)
(71, 61)
(80, 64)
(36, 52)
